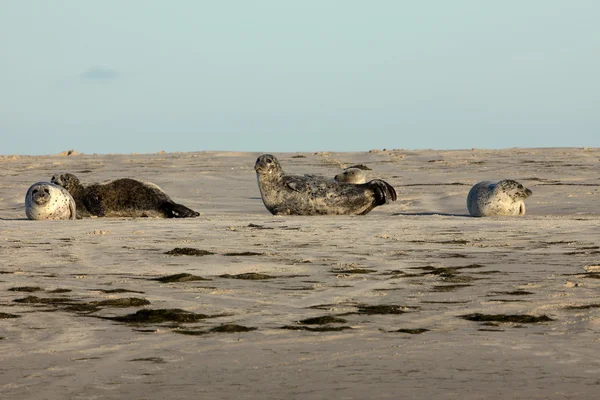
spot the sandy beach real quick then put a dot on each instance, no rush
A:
(416, 300)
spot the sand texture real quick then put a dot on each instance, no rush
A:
(416, 300)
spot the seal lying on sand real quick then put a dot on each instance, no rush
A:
(122, 198)
(49, 201)
(307, 195)
(352, 175)
(497, 198)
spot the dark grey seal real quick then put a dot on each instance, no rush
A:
(310, 195)
(46, 200)
(504, 197)
(123, 197)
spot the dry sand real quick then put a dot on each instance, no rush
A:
(421, 257)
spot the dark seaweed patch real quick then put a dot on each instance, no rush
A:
(417, 331)
(118, 291)
(232, 328)
(316, 329)
(4, 315)
(511, 293)
(448, 288)
(179, 278)
(159, 316)
(122, 303)
(154, 360)
(188, 251)
(255, 276)
(26, 289)
(256, 226)
(190, 332)
(360, 166)
(353, 271)
(59, 290)
(243, 253)
(298, 156)
(381, 309)
(512, 318)
(583, 307)
(43, 300)
(326, 319)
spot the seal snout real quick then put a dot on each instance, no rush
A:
(528, 193)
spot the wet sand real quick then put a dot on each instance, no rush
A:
(415, 300)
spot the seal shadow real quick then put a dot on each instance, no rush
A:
(434, 213)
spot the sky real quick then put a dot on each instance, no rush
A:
(118, 76)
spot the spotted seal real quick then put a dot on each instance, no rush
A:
(352, 175)
(497, 198)
(46, 200)
(308, 195)
(123, 197)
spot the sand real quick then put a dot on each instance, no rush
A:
(420, 300)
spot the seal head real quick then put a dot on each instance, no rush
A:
(505, 197)
(352, 175)
(46, 200)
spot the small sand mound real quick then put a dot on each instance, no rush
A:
(69, 153)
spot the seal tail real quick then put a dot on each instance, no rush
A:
(384, 192)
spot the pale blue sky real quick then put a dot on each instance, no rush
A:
(126, 76)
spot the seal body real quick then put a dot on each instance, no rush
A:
(46, 200)
(310, 195)
(504, 197)
(352, 175)
(123, 197)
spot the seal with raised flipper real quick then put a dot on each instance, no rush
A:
(123, 197)
(45, 200)
(285, 194)
(505, 197)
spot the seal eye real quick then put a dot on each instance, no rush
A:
(520, 186)
(47, 191)
(269, 160)
(34, 191)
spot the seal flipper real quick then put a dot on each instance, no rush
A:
(383, 191)
(174, 210)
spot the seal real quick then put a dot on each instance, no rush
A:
(46, 200)
(497, 198)
(352, 175)
(309, 195)
(123, 197)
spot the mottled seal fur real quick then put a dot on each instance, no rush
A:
(46, 200)
(497, 198)
(309, 195)
(123, 197)
(352, 175)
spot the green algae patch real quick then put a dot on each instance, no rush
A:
(510, 318)
(326, 319)
(29, 289)
(253, 276)
(179, 278)
(188, 251)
